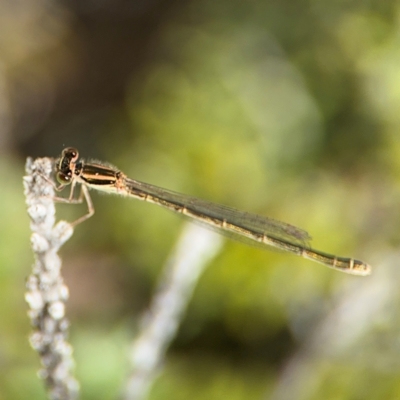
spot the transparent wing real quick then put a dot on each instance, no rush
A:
(256, 223)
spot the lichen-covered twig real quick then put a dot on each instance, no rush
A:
(46, 292)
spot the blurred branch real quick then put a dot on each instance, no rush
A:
(346, 330)
(46, 292)
(196, 247)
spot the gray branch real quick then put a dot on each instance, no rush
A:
(196, 247)
(46, 292)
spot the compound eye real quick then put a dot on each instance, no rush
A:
(70, 153)
(64, 179)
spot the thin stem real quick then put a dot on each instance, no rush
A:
(194, 251)
(46, 292)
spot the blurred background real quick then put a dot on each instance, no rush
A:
(288, 109)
